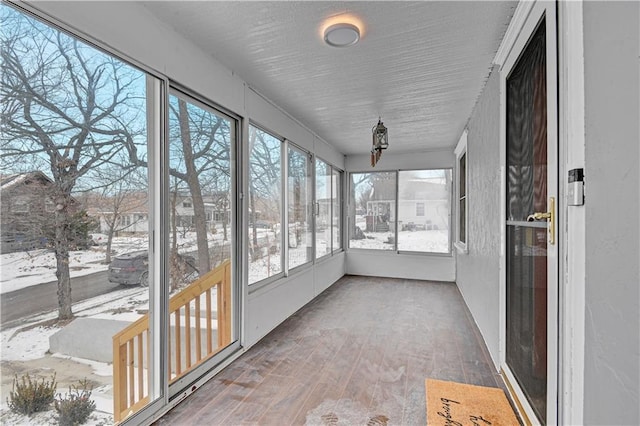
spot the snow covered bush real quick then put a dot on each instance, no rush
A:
(75, 407)
(30, 396)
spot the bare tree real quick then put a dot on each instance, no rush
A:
(118, 196)
(67, 110)
(200, 155)
(264, 177)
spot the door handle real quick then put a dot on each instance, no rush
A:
(550, 216)
(538, 216)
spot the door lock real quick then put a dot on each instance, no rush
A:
(550, 216)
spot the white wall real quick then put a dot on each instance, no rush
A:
(612, 141)
(391, 264)
(478, 270)
(129, 29)
(270, 305)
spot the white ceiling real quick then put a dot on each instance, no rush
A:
(419, 65)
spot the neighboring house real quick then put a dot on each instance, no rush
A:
(217, 207)
(125, 212)
(132, 211)
(27, 211)
(423, 203)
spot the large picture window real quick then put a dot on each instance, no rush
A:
(404, 211)
(74, 155)
(300, 236)
(265, 205)
(423, 210)
(373, 210)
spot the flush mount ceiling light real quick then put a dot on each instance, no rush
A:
(341, 35)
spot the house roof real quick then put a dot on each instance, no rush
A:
(11, 180)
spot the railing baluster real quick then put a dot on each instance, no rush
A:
(149, 360)
(187, 333)
(140, 367)
(169, 359)
(178, 344)
(119, 378)
(198, 339)
(130, 358)
(209, 328)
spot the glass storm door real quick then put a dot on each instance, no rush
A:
(531, 193)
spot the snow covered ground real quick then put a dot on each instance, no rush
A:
(27, 350)
(23, 269)
(432, 241)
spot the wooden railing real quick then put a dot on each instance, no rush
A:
(131, 345)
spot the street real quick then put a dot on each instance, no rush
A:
(29, 301)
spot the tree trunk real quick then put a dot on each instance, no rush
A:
(253, 217)
(199, 214)
(107, 257)
(62, 221)
(225, 218)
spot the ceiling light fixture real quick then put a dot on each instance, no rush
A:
(341, 34)
(380, 142)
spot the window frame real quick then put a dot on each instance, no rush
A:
(395, 211)
(339, 177)
(194, 98)
(461, 151)
(310, 187)
(316, 206)
(283, 206)
(21, 204)
(449, 251)
(395, 249)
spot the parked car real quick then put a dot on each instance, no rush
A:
(133, 268)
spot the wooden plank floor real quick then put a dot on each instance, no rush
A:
(356, 355)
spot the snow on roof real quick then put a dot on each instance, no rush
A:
(7, 181)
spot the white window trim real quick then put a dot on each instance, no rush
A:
(460, 150)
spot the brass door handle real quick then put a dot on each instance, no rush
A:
(550, 215)
(538, 216)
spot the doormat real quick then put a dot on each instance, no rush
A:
(458, 404)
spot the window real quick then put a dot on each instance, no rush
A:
(372, 210)
(336, 210)
(323, 208)
(201, 140)
(69, 107)
(423, 210)
(328, 209)
(420, 198)
(21, 204)
(299, 207)
(265, 205)
(461, 193)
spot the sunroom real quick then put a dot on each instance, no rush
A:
(297, 212)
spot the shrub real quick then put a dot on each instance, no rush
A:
(75, 407)
(30, 396)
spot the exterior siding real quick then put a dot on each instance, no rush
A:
(612, 287)
(478, 270)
